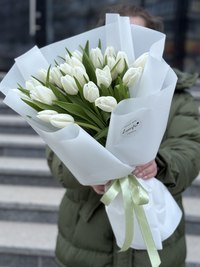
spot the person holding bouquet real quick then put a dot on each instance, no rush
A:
(85, 237)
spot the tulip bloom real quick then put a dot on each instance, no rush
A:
(77, 54)
(106, 103)
(122, 60)
(96, 57)
(22, 95)
(56, 76)
(42, 75)
(104, 77)
(45, 115)
(141, 61)
(74, 62)
(30, 84)
(90, 92)
(61, 120)
(109, 52)
(111, 63)
(81, 75)
(69, 85)
(43, 94)
(131, 76)
(66, 68)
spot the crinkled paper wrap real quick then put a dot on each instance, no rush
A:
(136, 128)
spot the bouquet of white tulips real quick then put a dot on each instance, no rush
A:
(110, 98)
(83, 89)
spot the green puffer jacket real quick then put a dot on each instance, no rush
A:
(85, 237)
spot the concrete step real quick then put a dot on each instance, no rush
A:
(192, 207)
(4, 109)
(25, 171)
(14, 124)
(30, 204)
(17, 145)
(27, 244)
(192, 213)
(33, 245)
(193, 255)
(194, 189)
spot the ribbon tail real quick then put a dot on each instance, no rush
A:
(128, 210)
(147, 236)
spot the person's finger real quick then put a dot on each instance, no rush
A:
(139, 169)
(99, 189)
(146, 171)
(149, 173)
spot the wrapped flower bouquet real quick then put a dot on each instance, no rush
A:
(100, 101)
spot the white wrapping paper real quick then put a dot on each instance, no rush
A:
(136, 128)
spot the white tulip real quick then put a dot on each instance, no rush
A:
(42, 75)
(61, 120)
(131, 76)
(141, 61)
(56, 76)
(110, 59)
(66, 68)
(90, 92)
(22, 95)
(67, 58)
(31, 83)
(77, 54)
(45, 115)
(111, 63)
(69, 85)
(43, 94)
(106, 103)
(35, 81)
(104, 76)
(109, 52)
(96, 57)
(81, 75)
(74, 62)
(122, 60)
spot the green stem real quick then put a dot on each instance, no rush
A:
(97, 111)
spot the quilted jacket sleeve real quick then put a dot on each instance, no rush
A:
(178, 158)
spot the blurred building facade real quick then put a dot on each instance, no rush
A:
(25, 23)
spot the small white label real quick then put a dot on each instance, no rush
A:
(131, 128)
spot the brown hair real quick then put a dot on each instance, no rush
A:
(130, 10)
